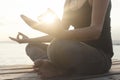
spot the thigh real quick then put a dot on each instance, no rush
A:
(72, 54)
(98, 63)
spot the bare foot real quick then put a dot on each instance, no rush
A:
(37, 64)
(47, 70)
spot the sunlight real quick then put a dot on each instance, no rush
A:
(48, 17)
(12, 21)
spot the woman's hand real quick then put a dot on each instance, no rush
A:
(21, 38)
(48, 28)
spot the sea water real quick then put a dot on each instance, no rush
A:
(14, 54)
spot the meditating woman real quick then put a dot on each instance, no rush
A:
(85, 50)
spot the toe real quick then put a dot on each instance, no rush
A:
(38, 63)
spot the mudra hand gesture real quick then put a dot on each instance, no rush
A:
(21, 38)
(43, 26)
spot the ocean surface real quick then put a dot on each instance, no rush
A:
(14, 54)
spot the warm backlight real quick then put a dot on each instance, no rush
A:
(47, 18)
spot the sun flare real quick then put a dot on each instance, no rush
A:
(47, 18)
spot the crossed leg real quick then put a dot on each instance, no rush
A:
(63, 55)
(42, 65)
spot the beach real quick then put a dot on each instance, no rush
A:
(12, 53)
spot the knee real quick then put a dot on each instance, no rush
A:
(36, 51)
(28, 49)
(31, 49)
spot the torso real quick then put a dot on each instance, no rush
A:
(78, 3)
(81, 18)
(90, 2)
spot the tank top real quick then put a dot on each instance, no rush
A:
(81, 18)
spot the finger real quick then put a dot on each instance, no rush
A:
(51, 11)
(29, 21)
(18, 36)
(33, 24)
(14, 39)
(22, 34)
(44, 14)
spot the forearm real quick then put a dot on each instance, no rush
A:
(82, 34)
(42, 39)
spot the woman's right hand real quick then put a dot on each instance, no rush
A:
(21, 38)
(52, 28)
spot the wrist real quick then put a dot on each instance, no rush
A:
(27, 41)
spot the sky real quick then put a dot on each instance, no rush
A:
(11, 23)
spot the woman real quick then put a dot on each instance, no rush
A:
(86, 50)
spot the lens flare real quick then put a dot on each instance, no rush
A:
(48, 18)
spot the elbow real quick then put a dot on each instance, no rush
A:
(96, 37)
(97, 34)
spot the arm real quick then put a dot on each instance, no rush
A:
(92, 32)
(43, 39)
(25, 39)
